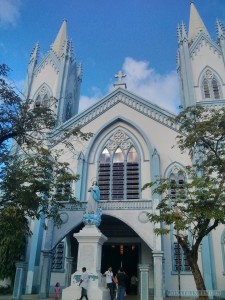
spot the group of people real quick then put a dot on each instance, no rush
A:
(116, 284)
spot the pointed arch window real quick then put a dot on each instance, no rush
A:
(46, 101)
(118, 172)
(177, 180)
(38, 101)
(206, 89)
(215, 89)
(210, 86)
(43, 97)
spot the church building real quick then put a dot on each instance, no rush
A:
(131, 145)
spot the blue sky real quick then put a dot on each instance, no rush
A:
(136, 36)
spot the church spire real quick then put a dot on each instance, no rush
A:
(60, 40)
(196, 24)
(220, 30)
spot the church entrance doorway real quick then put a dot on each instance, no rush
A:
(122, 249)
(120, 255)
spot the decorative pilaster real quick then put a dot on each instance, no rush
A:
(158, 274)
(69, 264)
(45, 274)
(80, 169)
(144, 281)
(19, 280)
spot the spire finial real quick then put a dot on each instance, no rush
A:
(120, 83)
(120, 76)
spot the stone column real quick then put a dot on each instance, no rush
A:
(19, 280)
(45, 274)
(69, 264)
(144, 281)
(158, 275)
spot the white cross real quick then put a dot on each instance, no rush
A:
(120, 75)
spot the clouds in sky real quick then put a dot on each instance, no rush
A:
(145, 82)
(9, 12)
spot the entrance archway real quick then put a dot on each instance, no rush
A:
(122, 249)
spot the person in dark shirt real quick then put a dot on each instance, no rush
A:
(122, 282)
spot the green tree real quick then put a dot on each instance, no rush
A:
(199, 204)
(31, 169)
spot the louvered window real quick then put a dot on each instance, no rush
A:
(118, 173)
(180, 259)
(176, 185)
(58, 257)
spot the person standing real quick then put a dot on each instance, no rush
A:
(84, 284)
(122, 282)
(110, 282)
(57, 291)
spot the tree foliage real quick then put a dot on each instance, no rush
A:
(31, 168)
(199, 204)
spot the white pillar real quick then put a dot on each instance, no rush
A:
(144, 281)
(158, 275)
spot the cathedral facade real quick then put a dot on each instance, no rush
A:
(131, 145)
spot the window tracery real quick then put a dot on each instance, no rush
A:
(210, 86)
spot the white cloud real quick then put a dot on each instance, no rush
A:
(9, 12)
(86, 101)
(145, 82)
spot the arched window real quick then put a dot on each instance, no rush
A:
(46, 101)
(210, 86)
(215, 89)
(118, 172)
(206, 88)
(177, 180)
(43, 97)
(38, 101)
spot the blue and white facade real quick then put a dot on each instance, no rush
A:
(131, 145)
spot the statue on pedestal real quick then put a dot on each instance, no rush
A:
(92, 214)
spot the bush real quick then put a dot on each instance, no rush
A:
(6, 289)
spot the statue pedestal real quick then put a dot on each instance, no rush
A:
(90, 241)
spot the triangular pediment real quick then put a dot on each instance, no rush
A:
(127, 98)
(203, 38)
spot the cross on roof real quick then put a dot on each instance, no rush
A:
(120, 76)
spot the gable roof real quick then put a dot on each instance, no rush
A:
(126, 97)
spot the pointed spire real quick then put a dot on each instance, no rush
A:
(196, 24)
(178, 33)
(60, 40)
(34, 52)
(183, 31)
(220, 29)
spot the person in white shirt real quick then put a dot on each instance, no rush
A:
(84, 284)
(110, 282)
